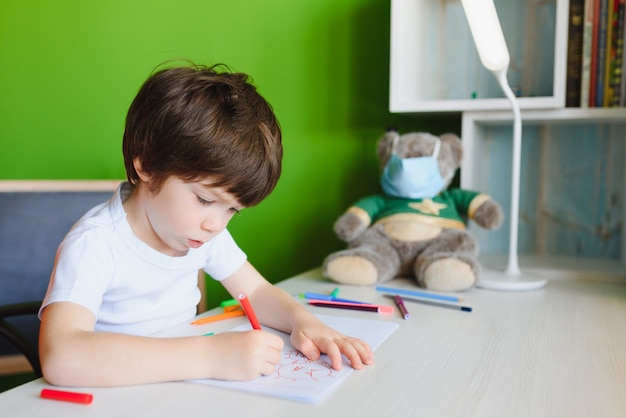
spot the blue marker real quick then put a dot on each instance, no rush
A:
(416, 293)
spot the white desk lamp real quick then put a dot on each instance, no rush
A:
(492, 50)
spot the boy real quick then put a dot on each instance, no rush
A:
(199, 146)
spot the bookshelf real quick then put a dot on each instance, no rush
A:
(573, 176)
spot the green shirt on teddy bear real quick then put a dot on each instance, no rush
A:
(444, 210)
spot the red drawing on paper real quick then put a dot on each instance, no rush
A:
(296, 366)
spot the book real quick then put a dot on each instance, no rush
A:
(574, 53)
(585, 74)
(622, 101)
(601, 54)
(616, 72)
(299, 379)
(611, 32)
(594, 53)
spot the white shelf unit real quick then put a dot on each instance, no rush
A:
(572, 189)
(434, 65)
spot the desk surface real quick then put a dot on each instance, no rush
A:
(555, 352)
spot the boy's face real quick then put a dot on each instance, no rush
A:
(184, 215)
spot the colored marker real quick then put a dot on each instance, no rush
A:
(335, 292)
(247, 308)
(229, 302)
(60, 395)
(218, 317)
(403, 310)
(352, 306)
(439, 304)
(417, 293)
(321, 296)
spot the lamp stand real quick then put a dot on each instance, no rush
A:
(512, 279)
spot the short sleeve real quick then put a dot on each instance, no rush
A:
(82, 272)
(223, 256)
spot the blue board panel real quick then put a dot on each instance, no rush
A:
(32, 225)
(571, 189)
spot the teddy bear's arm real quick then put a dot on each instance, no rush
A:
(488, 213)
(352, 224)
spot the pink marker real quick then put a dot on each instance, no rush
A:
(352, 306)
(403, 310)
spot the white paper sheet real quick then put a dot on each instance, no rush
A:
(300, 379)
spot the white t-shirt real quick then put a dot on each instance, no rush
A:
(129, 286)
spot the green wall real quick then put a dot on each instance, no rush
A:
(69, 70)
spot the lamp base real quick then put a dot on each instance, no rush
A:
(513, 282)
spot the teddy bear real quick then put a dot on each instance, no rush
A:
(416, 228)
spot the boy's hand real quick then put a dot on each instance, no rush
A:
(315, 339)
(243, 355)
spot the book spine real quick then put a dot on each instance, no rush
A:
(622, 101)
(617, 67)
(574, 53)
(594, 53)
(601, 53)
(585, 76)
(611, 32)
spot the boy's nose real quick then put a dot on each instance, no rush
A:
(214, 223)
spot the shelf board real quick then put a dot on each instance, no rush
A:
(415, 106)
(552, 116)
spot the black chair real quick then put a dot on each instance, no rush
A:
(32, 225)
(12, 332)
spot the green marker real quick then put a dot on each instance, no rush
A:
(335, 292)
(230, 302)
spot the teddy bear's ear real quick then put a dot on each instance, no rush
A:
(384, 146)
(456, 147)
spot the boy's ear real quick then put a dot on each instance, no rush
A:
(143, 176)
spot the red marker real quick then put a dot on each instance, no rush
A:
(247, 308)
(60, 395)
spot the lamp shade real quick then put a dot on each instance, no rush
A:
(487, 33)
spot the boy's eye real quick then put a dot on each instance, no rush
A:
(204, 201)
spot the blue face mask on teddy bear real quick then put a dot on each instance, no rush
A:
(412, 178)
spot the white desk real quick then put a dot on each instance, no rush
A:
(555, 352)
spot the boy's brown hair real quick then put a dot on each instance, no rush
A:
(198, 122)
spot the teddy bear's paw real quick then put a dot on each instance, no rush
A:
(449, 274)
(351, 270)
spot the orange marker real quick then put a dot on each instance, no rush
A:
(218, 317)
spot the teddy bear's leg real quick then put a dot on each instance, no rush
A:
(369, 261)
(451, 272)
(449, 263)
